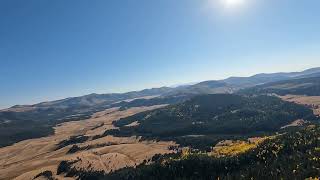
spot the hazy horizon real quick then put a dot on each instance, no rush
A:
(51, 50)
(125, 91)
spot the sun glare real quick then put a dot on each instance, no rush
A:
(232, 3)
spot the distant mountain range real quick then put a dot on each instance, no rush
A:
(243, 82)
(228, 85)
(309, 86)
(94, 99)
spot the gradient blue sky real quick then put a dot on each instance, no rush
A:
(50, 49)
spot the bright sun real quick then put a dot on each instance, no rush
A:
(232, 3)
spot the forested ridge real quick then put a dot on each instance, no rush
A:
(205, 120)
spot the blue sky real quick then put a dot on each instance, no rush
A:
(61, 48)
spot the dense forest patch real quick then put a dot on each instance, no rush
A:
(205, 120)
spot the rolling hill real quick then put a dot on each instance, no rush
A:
(23, 122)
(206, 119)
(258, 79)
(309, 86)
